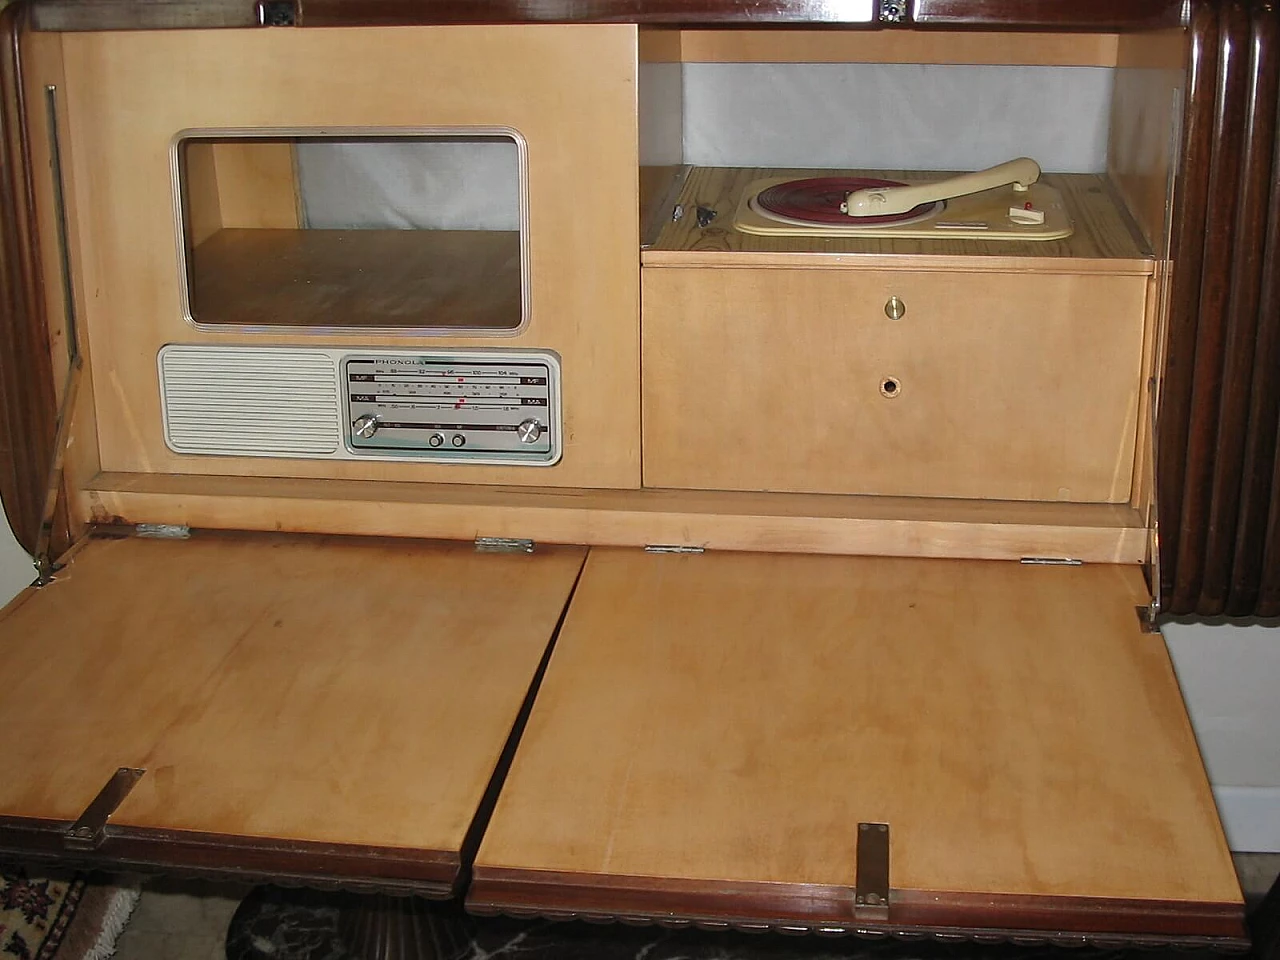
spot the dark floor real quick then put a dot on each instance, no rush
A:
(188, 920)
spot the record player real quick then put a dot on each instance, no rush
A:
(1005, 202)
(732, 543)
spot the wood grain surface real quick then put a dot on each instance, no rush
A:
(1208, 343)
(731, 718)
(1003, 386)
(1088, 15)
(1105, 239)
(1187, 252)
(464, 279)
(569, 91)
(350, 692)
(1246, 430)
(798, 523)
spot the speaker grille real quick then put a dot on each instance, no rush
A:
(241, 401)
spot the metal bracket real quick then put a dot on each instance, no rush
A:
(1153, 509)
(1147, 617)
(671, 548)
(503, 545)
(43, 555)
(90, 830)
(1052, 562)
(162, 531)
(871, 883)
(276, 13)
(45, 568)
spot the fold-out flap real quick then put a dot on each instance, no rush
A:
(713, 729)
(300, 706)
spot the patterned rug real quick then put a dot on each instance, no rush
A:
(70, 916)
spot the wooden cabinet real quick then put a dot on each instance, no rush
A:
(211, 87)
(775, 624)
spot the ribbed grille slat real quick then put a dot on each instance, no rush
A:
(236, 401)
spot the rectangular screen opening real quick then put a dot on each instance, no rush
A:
(333, 232)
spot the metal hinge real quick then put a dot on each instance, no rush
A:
(503, 545)
(871, 881)
(90, 830)
(671, 548)
(162, 531)
(1147, 617)
(1053, 561)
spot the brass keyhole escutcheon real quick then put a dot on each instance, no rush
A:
(890, 387)
(895, 309)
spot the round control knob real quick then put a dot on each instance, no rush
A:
(529, 431)
(365, 426)
(436, 439)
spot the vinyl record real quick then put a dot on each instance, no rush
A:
(817, 201)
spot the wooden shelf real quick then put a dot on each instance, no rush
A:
(467, 279)
(1105, 240)
(795, 523)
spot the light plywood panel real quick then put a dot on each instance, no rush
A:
(897, 46)
(340, 691)
(1010, 386)
(569, 90)
(729, 719)
(798, 523)
(257, 184)
(1145, 127)
(201, 207)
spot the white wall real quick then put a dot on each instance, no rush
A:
(1230, 677)
(895, 116)
(16, 569)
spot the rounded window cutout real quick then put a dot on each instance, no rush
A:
(354, 230)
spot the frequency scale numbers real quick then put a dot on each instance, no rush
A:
(455, 410)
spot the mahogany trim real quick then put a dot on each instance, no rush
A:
(829, 909)
(1090, 15)
(1217, 426)
(1190, 210)
(1236, 428)
(27, 396)
(1215, 290)
(71, 15)
(427, 873)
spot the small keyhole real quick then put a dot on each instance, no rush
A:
(890, 387)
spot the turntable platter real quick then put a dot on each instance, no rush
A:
(817, 200)
(810, 207)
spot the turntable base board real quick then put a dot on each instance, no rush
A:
(1105, 239)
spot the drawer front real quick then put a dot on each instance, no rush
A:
(995, 386)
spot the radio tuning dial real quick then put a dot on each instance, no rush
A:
(529, 431)
(365, 426)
